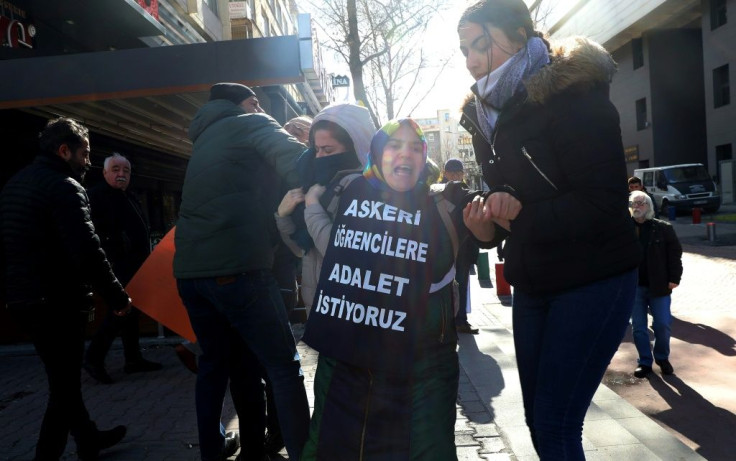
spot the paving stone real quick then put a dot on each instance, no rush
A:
(466, 440)
(491, 444)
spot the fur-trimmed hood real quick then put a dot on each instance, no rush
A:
(574, 62)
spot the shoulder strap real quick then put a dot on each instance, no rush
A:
(331, 197)
(445, 208)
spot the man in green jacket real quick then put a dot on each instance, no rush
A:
(224, 254)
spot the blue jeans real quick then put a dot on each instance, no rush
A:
(659, 306)
(564, 342)
(249, 304)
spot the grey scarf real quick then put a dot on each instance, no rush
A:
(525, 63)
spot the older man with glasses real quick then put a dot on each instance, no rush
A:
(659, 273)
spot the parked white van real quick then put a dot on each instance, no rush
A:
(683, 186)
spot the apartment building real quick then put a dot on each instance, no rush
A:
(673, 88)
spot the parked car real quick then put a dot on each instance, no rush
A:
(683, 186)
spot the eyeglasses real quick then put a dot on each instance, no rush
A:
(638, 203)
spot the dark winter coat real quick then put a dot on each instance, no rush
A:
(663, 255)
(231, 190)
(122, 230)
(51, 249)
(558, 146)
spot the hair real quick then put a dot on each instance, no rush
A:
(337, 132)
(298, 125)
(60, 131)
(115, 155)
(637, 194)
(634, 180)
(507, 15)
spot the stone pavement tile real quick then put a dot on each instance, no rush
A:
(480, 418)
(596, 413)
(666, 446)
(497, 457)
(484, 430)
(158, 408)
(466, 393)
(605, 393)
(469, 453)
(527, 457)
(607, 432)
(519, 441)
(462, 425)
(475, 406)
(621, 452)
(24, 452)
(491, 444)
(509, 413)
(466, 440)
(616, 408)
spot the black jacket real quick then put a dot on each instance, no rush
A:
(663, 255)
(122, 229)
(50, 247)
(558, 146)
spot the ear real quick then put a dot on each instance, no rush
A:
(64, 152)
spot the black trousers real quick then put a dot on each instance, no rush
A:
(127, 327)
(57, 331)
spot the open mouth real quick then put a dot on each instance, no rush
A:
(403, 170)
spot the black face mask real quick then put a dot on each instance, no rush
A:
(313, 170)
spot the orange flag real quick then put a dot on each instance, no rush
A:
(153, 290)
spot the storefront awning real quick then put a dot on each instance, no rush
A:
(100, 24)
(147, 96)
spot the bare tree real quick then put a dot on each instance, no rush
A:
(542, 11)
(380, 40)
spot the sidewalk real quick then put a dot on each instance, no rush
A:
(158, 407)
(613, 430)
(697, 234)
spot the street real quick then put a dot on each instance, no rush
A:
(698, 402)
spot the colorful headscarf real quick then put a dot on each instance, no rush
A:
(372, 171)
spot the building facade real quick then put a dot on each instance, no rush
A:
(446, 139)
(136, 71)
(673, 89)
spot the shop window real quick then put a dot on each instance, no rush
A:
(637, 51)
(641, 114)
(721, 87)
(717, 13)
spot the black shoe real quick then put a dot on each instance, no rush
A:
(666, 366)
(466, 328)
(97, 372)
(274, 442)
(142, 365)
(90, 450)
(642, 371)
(232, 443)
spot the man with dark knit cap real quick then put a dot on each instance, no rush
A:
(466, 255)
(224, 255)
